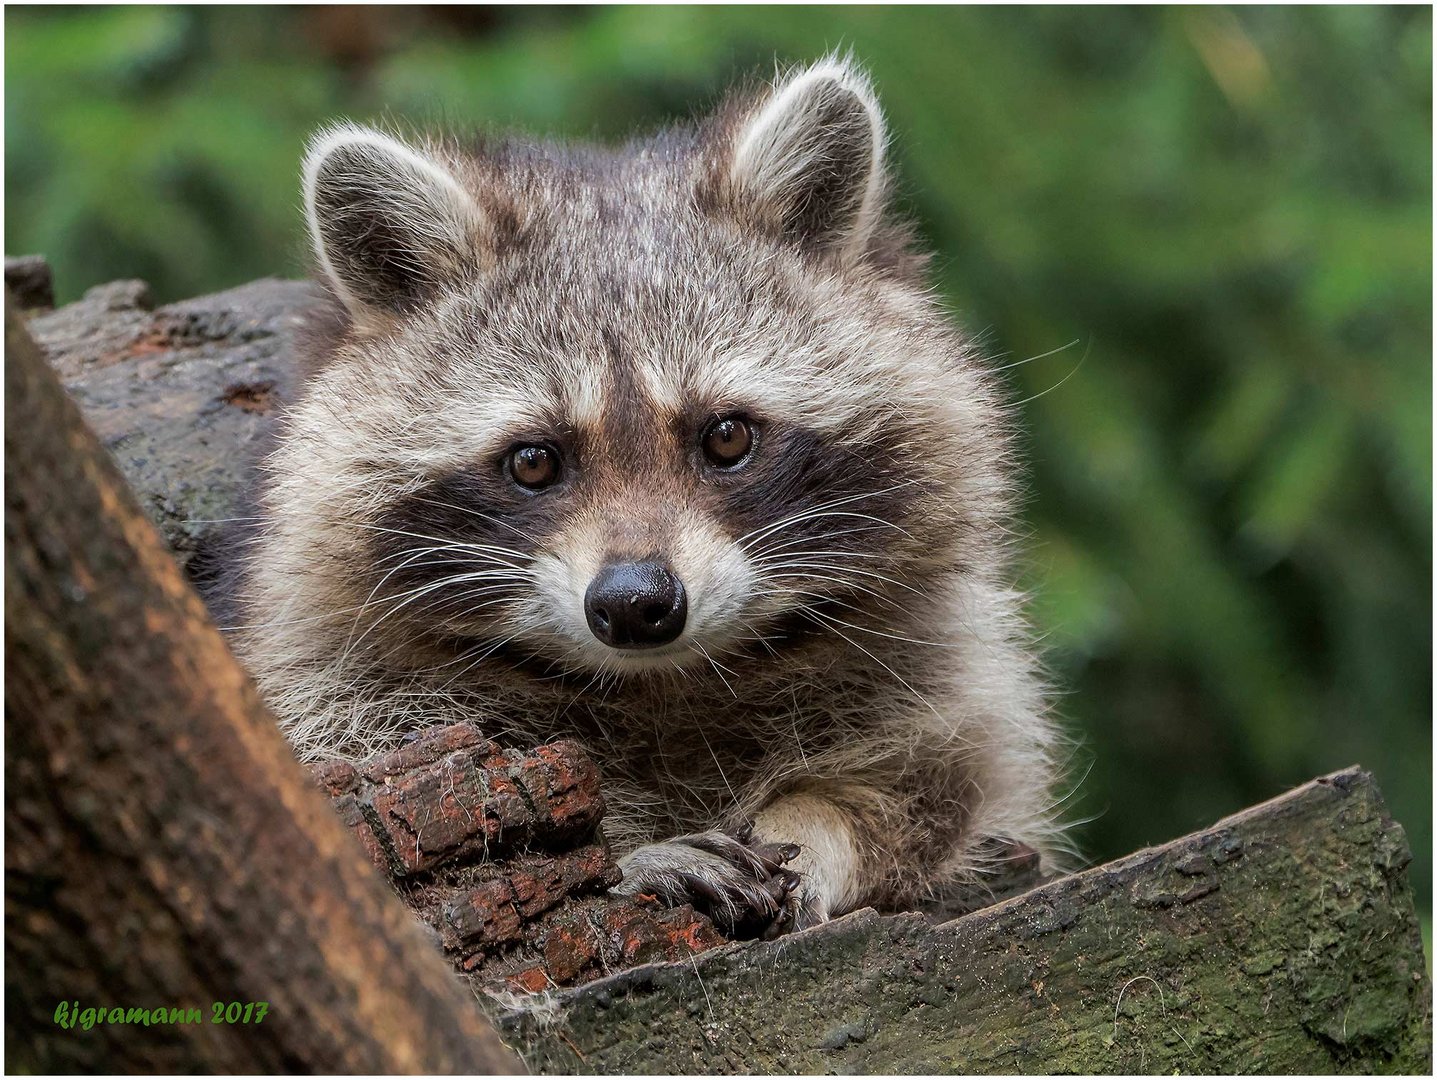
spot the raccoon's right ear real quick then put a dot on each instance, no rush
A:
(390, 225)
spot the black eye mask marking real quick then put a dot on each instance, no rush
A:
(469, 520)
(847, 494)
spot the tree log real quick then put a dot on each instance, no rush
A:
(1282, 940)
(181, 396)
(163, 849)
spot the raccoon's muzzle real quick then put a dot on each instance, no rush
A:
(636, 605)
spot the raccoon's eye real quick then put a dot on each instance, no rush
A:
(533, 466)
(727, 441)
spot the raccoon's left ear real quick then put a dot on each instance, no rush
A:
(391, 225)
(809, 159)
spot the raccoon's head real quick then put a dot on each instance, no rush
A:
(683, 403)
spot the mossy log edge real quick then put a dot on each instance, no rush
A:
(1282, 940)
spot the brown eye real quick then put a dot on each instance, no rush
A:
(534, 466)
(727, 441)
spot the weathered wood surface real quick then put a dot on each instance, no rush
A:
(162, 846)
(180, 396)
(1281, 940)
(30, 281)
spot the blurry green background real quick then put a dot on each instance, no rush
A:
(1227, 213)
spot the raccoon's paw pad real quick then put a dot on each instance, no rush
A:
(743, 887)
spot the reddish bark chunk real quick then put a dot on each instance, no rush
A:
(498, 851)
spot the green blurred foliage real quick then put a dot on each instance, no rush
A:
(1199, 238)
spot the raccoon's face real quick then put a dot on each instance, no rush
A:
(635, 413)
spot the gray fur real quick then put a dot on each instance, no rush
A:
(856, 675)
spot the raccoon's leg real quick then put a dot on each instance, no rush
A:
(741, 883)
(867, 841)
(829, 863)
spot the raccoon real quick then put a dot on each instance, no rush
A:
(671, 450)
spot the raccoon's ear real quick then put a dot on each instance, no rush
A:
(810, 157)
(390, 224)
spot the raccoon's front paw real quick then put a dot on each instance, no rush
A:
(742, 885)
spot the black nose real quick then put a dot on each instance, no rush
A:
(636, 605)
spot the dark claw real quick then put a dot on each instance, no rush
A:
(773, 856)
(700, 889)
(790, 904)
(777, 928)
(780, 886)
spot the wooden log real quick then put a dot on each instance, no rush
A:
(1281, 940)
(180, 396)
(29, 278)
(163, 849)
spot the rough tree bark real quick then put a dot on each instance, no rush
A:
(162, 846)
(497, 852)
